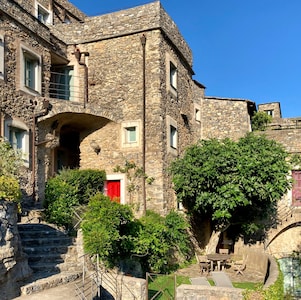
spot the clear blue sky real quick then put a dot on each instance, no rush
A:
(248, 49)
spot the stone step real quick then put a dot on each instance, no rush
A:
(42, 281)
(29, 250)
(40, 241)
(50, 267)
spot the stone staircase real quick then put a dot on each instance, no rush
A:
(52, 255)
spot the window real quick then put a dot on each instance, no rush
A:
(43, 14)
(62, 83)
(270, 112)
(173, 75)
(173, 137)
(130, 134)
(17, 134)
(197, 114)
(1, 57)
(30, 71)
(296, 190)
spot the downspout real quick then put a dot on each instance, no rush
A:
(143, 43)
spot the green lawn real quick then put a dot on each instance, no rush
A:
(164, 285)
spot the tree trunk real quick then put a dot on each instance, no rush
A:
(213, 242)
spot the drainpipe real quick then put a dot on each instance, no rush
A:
(78, 55)
(143, 43)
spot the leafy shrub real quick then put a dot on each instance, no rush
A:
(68, 190)
(160, 241)
(10, 160)
(110, 230)
(10, 164)
(260, 120)
(88, 182)
(105, 227)
(9, 188)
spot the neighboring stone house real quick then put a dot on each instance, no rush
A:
(95, 92)
(286, 131)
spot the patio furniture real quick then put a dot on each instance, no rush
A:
(218, 260)
(204, 263)
(221, 279)
(240, 265)
(199, 281)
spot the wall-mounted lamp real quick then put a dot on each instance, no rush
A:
(96, 148)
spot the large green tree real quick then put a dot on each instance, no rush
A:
(233, 183)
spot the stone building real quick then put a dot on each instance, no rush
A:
(286, 131)
(95, 92)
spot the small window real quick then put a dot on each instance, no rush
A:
(198, 115)
(31, 73)
(173, 75)
(43, 14)
(173, 137)
(270, 112)
(18, 136)
(1, 57)
(131, 134)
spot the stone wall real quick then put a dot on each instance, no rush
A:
(197, 292)
(13, 263)
(225, 118)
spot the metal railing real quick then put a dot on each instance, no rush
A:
(64, 86)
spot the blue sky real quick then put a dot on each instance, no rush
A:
(249, 49)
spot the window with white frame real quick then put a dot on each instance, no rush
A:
(173, 75)
(30, 71)
(44, 15)
(172, 135)
(1, 56)
(270, 112)
(17, 133)
(130, 134)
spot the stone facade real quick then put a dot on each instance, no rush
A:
(105, 55)
(13, 263)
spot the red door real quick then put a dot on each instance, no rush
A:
(296, 188)
(113, 190)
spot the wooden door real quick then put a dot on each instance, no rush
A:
(113, 190)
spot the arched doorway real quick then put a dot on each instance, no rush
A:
(67, 155)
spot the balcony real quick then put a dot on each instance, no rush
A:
(64, 85)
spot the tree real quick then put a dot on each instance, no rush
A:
(260, 120)
(234, 183)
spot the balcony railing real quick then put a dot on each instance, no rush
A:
(64, 86)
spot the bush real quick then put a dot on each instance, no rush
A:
(87, 182)
(105, 228)
(9, 188)
(68, 190)
(161, 241)
(110, 230)
(10, 164)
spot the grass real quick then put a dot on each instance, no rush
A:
(164, 285)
